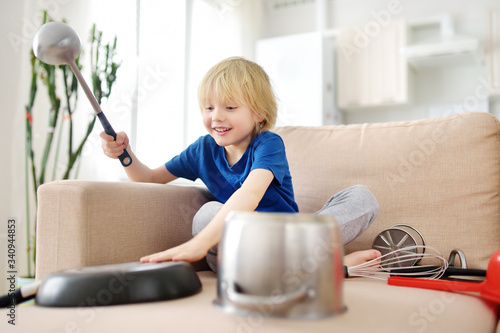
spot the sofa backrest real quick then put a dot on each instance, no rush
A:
(439, 175)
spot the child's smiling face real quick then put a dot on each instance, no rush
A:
(243, 83)
(230, 123)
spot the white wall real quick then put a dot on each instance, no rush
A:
(443, 86)
(10, 60)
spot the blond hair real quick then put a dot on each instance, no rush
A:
(245, 82)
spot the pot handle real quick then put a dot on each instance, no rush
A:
(246, 300)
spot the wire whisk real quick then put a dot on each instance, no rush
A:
(400, 262)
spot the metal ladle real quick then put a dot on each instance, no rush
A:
(56, 43)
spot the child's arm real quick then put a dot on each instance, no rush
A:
(246, 198)
(137, 171)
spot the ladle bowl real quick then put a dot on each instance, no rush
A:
(56, 43)
(488, 289)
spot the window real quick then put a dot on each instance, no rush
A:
(166, 47)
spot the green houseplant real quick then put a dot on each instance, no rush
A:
(60, 81)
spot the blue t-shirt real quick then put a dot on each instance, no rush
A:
(206, 160)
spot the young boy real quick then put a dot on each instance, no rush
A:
(242, 164)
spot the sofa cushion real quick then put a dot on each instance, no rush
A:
(440, 175)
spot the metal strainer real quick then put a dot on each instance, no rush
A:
(399, 237)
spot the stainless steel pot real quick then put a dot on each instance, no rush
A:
(280, 265)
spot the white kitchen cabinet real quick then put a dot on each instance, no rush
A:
(370, 68)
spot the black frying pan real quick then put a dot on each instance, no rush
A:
(111, 285)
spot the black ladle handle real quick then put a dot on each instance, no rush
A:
(124, 158)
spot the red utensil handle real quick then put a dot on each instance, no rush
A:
(435, 284)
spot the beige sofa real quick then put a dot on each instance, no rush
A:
(439, 175)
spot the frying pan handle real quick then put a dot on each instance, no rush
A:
(424, 271)
(252, 301)
(124, 158)
(22, 294)
(444, 285)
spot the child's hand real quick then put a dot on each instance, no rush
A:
(190, 251)
(112, 148)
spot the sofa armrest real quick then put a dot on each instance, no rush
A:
(87, 223)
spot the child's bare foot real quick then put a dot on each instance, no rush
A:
(359, 257)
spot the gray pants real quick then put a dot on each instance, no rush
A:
(354, 208)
